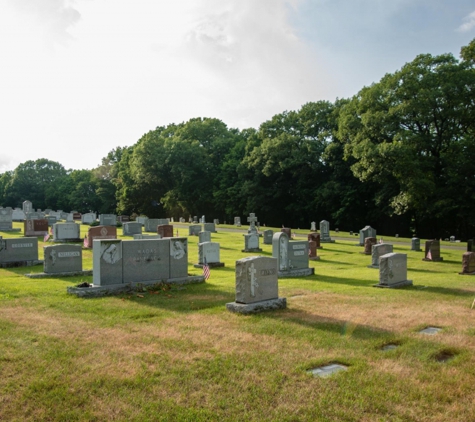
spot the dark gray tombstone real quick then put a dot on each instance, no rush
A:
(204, 236)
(19, 252)
(131, 228)
(62, 259)
(416, 244)
(194, 230)
(145, 260)
(178, 257)
(107, 262)
(325, 232)
(393, 271)
(268, 236)
(107, 220)
(251, 243)
(432, 251)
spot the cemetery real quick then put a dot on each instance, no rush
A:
(295, 340)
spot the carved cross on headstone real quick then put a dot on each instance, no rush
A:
(254, 284)
(252, 220)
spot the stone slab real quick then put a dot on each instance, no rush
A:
(327, 370)
(395, 285)
(115, 289)
(257, 307)
(65, 274)
(296, 273)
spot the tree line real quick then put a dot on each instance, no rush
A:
(399, 156)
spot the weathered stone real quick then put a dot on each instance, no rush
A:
(62, 259)
(131, 228)
(268, 237)
(377, 251)
(393, 271)
(468, 263)
(368, 245)
(325, 232)
(35, 227)
(432, 251)
(19, 252)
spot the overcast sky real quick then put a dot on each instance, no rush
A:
(81, 77)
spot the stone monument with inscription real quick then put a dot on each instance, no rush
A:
(393, 271)
(292, 257)
(377, 251)
(325, 232)
(256, 286)
(19, 252)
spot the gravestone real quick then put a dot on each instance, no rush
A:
(194, 230)
(432, 251)
(18, 215)
(131, 228)
(88, 218)
(416, 244)
(268, 237)
(216, 222)
(66, 232)
(315, 237)
(141, 220)
(34, 216)
(163, 221)
(312, 251)
(368, 245)
(210, 251)
(325, 232)
(393, 271)
(51, 220)
(64, 215)
(27, 207)
(55, 214)
(147, 236)
(252, 220)
(468, 263)
(182, 220)
(365, 232)
(107, 262)
(313, 226)
(256, 286)
(209, 227)
(202, 219)
(6, 220)
(124, 218)
(287, 231)
(145, 260)
(251, 243)
(77, 216)
(237, 221)
(70, 217)
(377, 251)
(107, 220)
(470, 245)
(204, 236)
(292, 257)
(178, 258)
(19, 252)
(151, 225)
(35, 227)
(63, 259)
(135, 262)
(165, 230)
(100, 233)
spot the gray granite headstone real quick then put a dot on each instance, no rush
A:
(209, 227)
(256, 286)
(27, 206)
(68, 232)
(204, 236)
(210, 251)
(377, 251)
(147, 236)
(107, 220)
(178, 257)
(416, 244)
(325, 232)
(252, 220)
(151, 225)
(107, 262)
(88, 218)
(131, 228)
(268, 237)
(194, 230)
(18, 215)
(141, 220)
(18, 250)
(280, 250)
(251, 243)
(6, 220)
(365, 232)
(62, 259)
(237, 221)
(313, 226)
(146, 260)
(292, 257)
(298, 254)
(393, 270)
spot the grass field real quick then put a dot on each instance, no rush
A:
(179, 355)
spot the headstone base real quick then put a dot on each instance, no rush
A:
(256, 307)
(302, 272)
(68, 240)
(10, 230)
(433, 259)
(21, 264)
(65, 274)
(395, 285)
(114, 289)
(374, 266)
(252, 250)
(210, 264)
(467, 273)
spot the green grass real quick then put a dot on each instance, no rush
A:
(178, 354)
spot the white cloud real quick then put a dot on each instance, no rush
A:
(469, 23)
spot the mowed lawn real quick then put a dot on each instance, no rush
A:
(177, 354)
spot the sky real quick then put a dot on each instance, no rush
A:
(79, 78)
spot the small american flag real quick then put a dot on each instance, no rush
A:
(206, 270)
(51, 230)
(85, 242)
(429, 255)
(46, 238)
(381, 240)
